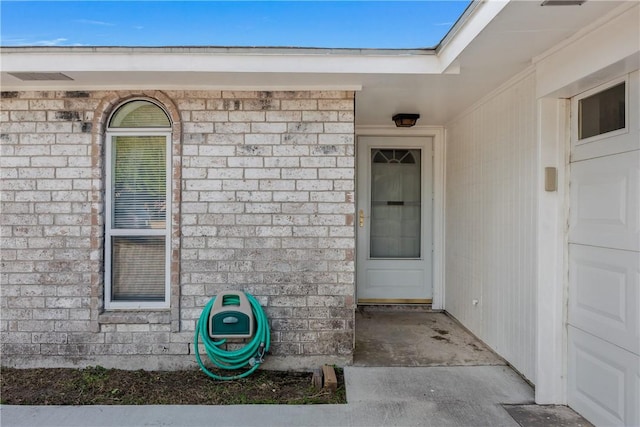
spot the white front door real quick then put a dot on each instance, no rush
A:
(394, 221)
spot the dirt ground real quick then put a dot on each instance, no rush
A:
(100, 386)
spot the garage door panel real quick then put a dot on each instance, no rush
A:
(620, 144)
(605, 296)
(602, 380)
(605, 209)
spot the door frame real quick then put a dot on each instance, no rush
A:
(437, 133)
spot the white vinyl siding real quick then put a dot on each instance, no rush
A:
(491, 226)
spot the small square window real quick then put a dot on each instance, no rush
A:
(602, 112)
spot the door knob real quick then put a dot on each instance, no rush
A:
(361, 218)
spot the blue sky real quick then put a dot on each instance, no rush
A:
(332, 24)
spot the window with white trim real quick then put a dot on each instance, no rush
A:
(602, 112)
(138, 207)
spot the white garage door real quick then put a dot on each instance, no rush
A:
(604, 254)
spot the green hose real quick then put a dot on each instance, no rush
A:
(251, 355)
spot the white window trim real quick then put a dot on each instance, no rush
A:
(575, 122)
(109, 231)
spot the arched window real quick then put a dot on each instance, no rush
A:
(138, 204)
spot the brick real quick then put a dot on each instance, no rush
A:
(37, 173)
(216, 150)
(49, 338)
(225, 139)
(14, 104)
(263, 208)
(320, 116)
(18, 127)
(37, 139)
(245, 162)
(19, 349)
(132, 328)
(232, 128)
(16, 338)
(262, 128)
(300, 139)
(12, 162)
(281, 162)
(66, 302)
(290, 196)
(247, 116)
(261, 105)
(273, 231)
(338, 127)
(277, 185)
(35, 326)
(45, 104)
(318, 162)
(298, 173)
(235, 184)
(190, 104)
(336, 139)
(209, 116)
(27, 116)
(304, 128)
(198, 127)
(336, 173)
(300, 104)
(314, 185)
(259, 139)
(262, 173)
(284, 116)
(339, 105)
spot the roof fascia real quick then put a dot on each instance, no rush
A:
(211, 60)
(473, 21)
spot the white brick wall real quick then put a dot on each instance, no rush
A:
(265, 195)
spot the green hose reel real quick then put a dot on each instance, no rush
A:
(232, 315)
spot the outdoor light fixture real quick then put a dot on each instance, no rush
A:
(405, 120)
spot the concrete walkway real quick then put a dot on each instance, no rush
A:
(416, 396)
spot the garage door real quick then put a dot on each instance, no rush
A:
(603, 378)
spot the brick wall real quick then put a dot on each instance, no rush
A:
(264, 195)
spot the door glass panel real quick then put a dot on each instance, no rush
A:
(395, 203)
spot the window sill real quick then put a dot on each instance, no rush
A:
(135, 317)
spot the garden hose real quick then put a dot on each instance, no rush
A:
(251, 355)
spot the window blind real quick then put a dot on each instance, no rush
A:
(140, 114)
(139, 182)
(138, 271)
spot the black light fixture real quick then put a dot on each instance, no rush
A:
(404, 120)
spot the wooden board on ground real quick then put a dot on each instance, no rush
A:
(330, 380)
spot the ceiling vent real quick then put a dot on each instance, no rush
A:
(562, 2)
(29, 77)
